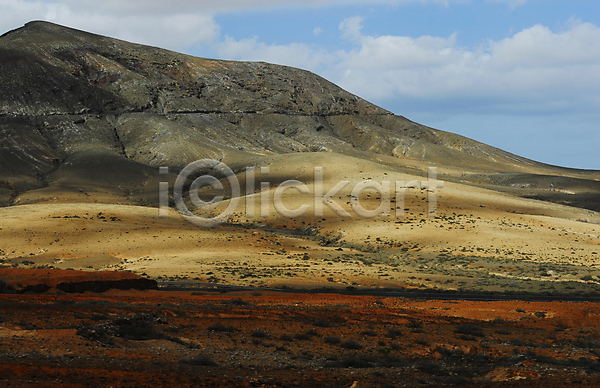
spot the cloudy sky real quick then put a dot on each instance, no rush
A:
(522, 75)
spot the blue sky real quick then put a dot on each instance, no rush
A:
(522, 75)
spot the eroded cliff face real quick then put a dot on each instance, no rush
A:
(86, 113)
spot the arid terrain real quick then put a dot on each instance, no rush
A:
(274, 339)
(98, 288)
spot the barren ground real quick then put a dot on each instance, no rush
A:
(268, 339)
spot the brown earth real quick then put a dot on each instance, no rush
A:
(275, 339)
(42, 280)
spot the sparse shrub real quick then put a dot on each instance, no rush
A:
(582, 343)
(322, 323)
(351, 344)
(258, 333)
(363, 361)
(5, 288)
(312, 333)
(519, 342)
(302, 337)
(414, 324)
(393, 362)
(332, 340)
(136, 328)
(219, 327)
(236, 302)
(369, 333)
(466, 337)
(469, 329)
(201, 360)
(393, 333)
(430, 367)
(422, 341)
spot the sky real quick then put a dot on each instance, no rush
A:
(521, 75)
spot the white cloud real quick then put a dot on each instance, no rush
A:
(535, 69)
(294, 54)
(351, 28)
(539, 47)
(173, 28)
(175, 24)
(512, 4)
(317, 31)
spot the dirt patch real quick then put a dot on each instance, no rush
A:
(43, 280)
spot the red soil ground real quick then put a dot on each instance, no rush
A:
(271, 339)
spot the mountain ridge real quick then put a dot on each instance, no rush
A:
(71, 98)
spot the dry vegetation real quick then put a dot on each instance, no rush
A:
(277, 339)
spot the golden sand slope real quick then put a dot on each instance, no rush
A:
(480, 239)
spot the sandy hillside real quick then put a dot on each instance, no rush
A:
(480, 240)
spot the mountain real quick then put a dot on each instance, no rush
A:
(94, 117)
(86, 121)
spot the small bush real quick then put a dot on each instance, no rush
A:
(469, 329)
(258, 333)
(354, 362)
(582, 343)
(351, 344)
(201, 360)
(322, 323)
(236, 302)
(369, 333)
(136, 328)
(219, 327)
(5, 288)
(332, 340)
(393, 362)
(393, 333)
(431, 368)
(466, 337)
(302, 337)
